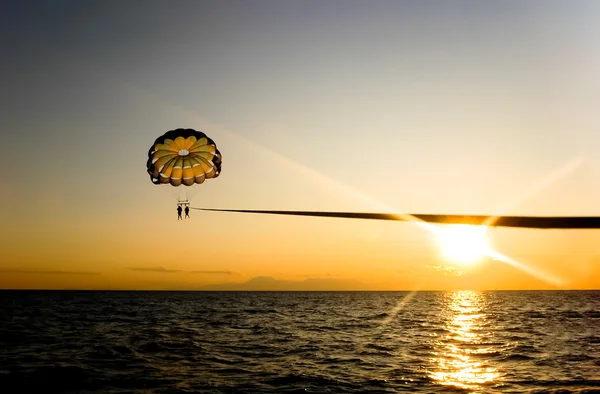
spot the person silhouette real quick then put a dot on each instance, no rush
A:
(179, 212)
(187, 211)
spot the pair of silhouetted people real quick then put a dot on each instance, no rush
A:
(187, 212)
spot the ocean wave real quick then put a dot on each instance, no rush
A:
(167, 342)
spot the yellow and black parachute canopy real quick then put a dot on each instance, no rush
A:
(183, 156)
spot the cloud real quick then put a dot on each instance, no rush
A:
(311, 276)
(268, 283)
(45, 272)
(154, 269)
(452, 271)
(171, 271)
(226, 272)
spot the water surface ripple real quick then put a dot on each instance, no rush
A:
(287, 342)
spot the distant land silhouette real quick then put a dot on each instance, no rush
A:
(268, 283)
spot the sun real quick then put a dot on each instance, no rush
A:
(462, 244)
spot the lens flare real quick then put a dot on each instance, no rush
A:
(463, 245)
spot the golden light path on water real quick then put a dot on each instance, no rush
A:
(459, 359)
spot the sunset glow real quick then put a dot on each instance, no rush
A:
(341, 106)
(463, 245)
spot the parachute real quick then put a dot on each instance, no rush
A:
(183, 157)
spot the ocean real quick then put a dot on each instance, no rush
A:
(299, 342)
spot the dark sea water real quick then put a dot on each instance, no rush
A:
(285, 342)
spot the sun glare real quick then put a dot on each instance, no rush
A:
(462, 244)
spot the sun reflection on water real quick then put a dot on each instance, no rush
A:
(460, 360)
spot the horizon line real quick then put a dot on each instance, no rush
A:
(287, 291)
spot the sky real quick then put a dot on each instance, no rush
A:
(455, 107)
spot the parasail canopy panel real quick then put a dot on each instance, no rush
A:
(183, 157)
